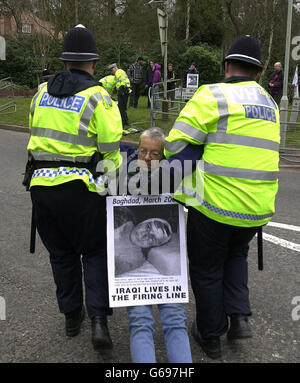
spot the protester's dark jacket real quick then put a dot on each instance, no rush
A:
(171, 76)
(70, 82)
(276, 79)
(149, 76)
(192, 71)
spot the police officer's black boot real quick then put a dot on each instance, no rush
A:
(211, 346)
(239, 327)
(73, 322)
(100, 333)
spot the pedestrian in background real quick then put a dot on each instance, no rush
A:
(148, 80)
(192, 70)
(135, 76)
(73, 124)
(276, 82)
(236, 197)
(171, 84)
(155, 80)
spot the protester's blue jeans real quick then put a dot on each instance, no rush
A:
(141, 322)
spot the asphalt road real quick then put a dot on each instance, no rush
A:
(33, 331)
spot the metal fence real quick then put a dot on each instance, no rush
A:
(290, 133)
(7, 96)
(161, 108)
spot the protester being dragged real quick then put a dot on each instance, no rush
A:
(172, 315)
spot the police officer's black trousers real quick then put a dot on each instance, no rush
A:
(218, 271)
(71, 222)
(122, 104)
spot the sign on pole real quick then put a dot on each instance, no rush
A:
(2, 48)
(163, 25)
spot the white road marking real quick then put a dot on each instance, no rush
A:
(281, 242)
(284, 226)
(277, 240)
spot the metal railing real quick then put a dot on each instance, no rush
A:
(290, 133)
(7, 96)
(161, 109)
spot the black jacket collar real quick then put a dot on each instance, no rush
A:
(234, 79)
(70, 82)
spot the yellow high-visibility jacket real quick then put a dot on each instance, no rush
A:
(72, 129)
(237, 180)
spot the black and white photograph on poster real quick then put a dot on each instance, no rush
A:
(146, 251)
(192, 80)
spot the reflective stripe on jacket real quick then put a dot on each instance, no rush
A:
(238, 124)
(72, 129)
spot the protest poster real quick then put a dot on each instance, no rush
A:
(146, 251)
(192, 80)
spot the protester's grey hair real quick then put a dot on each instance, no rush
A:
(154, 133)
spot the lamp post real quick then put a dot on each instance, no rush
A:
(284, 103)
(163, 32)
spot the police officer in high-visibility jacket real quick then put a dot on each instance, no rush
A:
(109, 84)
(123, 90)
(231, 193)
(73, 125)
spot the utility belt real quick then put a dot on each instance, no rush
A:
(57, 164)
(33, 164)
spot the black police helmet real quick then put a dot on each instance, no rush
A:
(79, 45)
(245, 49)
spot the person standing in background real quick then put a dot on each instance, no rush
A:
(156, 79)
(135, 76)
(148, 80)
(276, 82)
(192, 69)
(171, 84)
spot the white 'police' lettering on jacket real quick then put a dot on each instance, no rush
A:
(71, 104)
(260, 112)
(250, 95)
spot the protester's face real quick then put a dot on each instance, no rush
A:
(170, 67)
(149, 150)
(193, 67)
(152, 232)
(151, 63)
